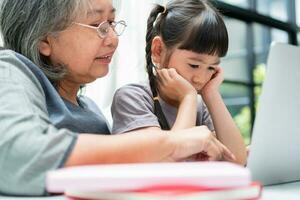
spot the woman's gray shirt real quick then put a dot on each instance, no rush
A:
(38, 129)
(133, 108)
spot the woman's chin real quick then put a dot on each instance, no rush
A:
(101, 71)
(94, 77)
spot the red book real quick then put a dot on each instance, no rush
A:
(173, 192)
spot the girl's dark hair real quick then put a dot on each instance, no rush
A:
(193, 25)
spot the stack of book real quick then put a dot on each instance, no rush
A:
(155, 181)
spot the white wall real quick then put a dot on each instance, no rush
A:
(128, 65)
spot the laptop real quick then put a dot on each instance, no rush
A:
(275, 148)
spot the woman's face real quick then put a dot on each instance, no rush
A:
(80, 49)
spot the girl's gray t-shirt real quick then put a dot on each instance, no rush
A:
(133, 108)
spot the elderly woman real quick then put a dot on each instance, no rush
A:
(55, 46)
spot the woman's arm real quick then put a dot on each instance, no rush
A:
(123, 148)
(147, 145)
(226, 130)
(29, 144)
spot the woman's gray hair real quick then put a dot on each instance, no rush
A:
(24, 23)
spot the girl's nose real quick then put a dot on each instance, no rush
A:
(198, 79)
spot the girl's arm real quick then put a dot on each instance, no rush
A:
(132, 113)
(226, 130)
(181, 94)
(187, 113)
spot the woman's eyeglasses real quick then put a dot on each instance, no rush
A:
(103, 28)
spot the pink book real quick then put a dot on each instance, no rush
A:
(132, 177)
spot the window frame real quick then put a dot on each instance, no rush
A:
(250, 16)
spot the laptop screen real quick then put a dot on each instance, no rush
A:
(275, 147)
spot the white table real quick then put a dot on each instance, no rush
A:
(288, 191)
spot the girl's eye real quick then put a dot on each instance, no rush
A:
(211, 69)
(194, 66)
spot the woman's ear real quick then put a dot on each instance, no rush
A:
(157, 50)
(45, 47)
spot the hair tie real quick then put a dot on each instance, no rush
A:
(155, 98)
(165, 10)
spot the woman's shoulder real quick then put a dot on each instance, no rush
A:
(17, 68)
(12, 57)
(11, 60)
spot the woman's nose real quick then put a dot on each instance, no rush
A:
(111, 39)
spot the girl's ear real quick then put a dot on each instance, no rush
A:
(157, 50)
(45, 46)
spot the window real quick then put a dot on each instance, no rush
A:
(241, 3)
(252, 26)
(277, 9)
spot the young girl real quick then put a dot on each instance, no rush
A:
(185, 41)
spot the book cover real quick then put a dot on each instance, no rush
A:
(128, 177)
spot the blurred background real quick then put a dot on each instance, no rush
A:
(252, 25)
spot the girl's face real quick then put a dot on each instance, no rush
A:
(80, 49)
(196, 68)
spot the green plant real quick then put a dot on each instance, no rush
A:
(243, 118)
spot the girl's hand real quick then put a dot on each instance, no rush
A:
(214, 83)
(172, 86)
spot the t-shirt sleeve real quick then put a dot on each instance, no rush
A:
(132, 108)
(204, 116)
(29, 144)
